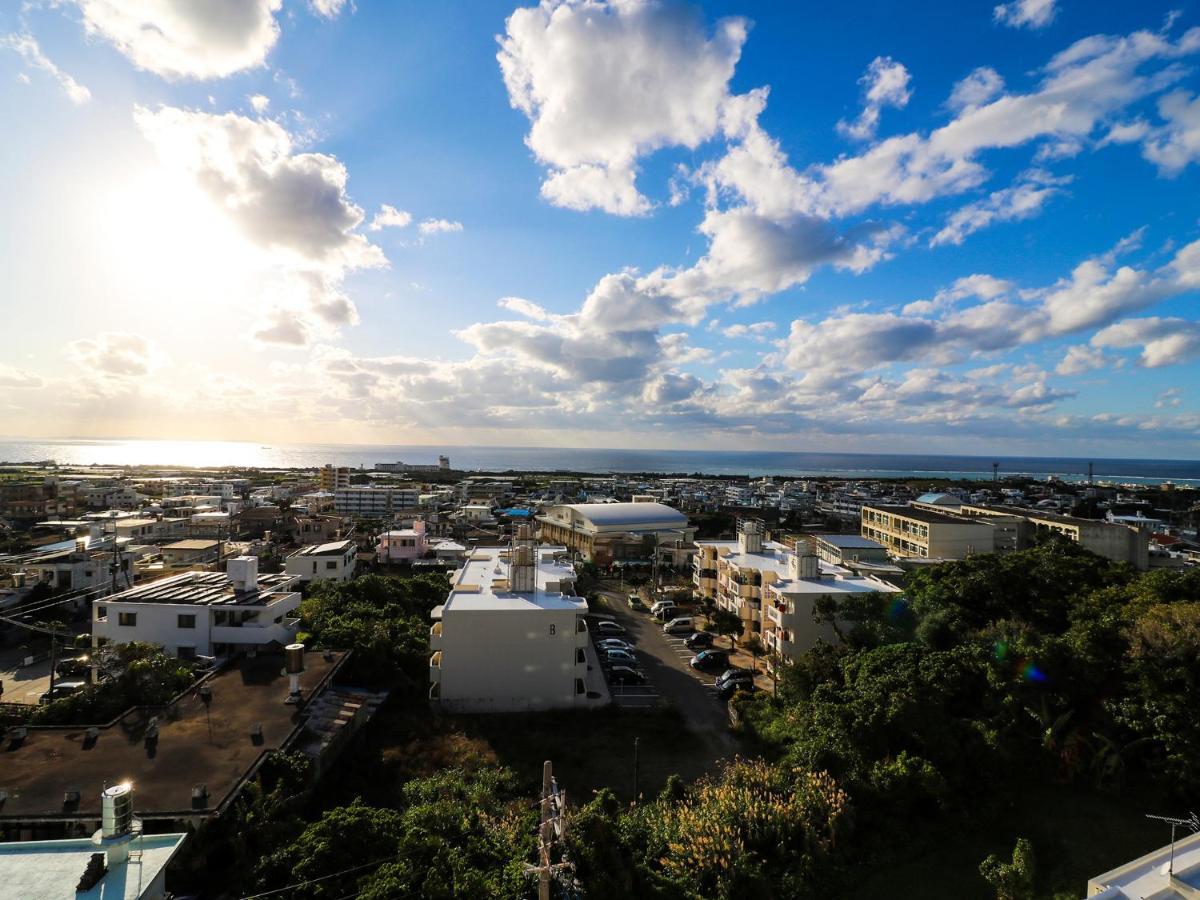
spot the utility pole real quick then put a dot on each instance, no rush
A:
(544, 832)
(636, 741)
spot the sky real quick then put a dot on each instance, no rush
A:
(869, 227)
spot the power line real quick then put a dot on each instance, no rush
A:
(301, 884)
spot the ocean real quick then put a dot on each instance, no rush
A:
(600, 460)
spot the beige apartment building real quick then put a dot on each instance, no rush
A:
(1112, 540)
(911, 531)
(774, 589)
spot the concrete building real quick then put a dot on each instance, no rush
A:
(512, 636)
(843, 549)
(190, 553)
(604, 532)
(910, 531)
(374, 502)
(1118, 541)
(402, 545)
(1169, 873)
(333, 478)
(335, 561)
(81, 568)
(788, 626)
(203, 613)
(443, 465)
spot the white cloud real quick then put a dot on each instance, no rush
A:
(292, 206)
(390, 217)
(754, 330)
(885, 83)
(439, 226)
(1026, 13)
(11, 377)
(1177, 143)
(1168, 399)
(259, 102)
(27, 47)
(985, 287)
(1081, 358)
(1022, 200)
(1163, 341)
(186, 39)
(981, 86)
(605, 83)
(329, 9)
(116, 354)
(523, 307)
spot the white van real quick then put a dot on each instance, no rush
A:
(682, 625)
(662, 609)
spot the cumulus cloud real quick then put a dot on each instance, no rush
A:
(11, 377)
(390, 217)
(1177, 143)
(1168, 399)
(184, 39)
(1081, 358)
(885, 83)
(293, 206)
(1023, 200)
(116, 354)
(605, 83)
(981, 86)
(259, 102)
(1026, 13)
(328, 9)
(26, 46)
(754, 330)
(439, 226)
(1163, 341)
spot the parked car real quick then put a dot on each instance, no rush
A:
(609, 627)
(77, 666)
(62, 689)
(660, 606)
(733, 675)
(711, 661)
(701, 640)
(614, 644)
(635, 602)
(625, 675)
(681, 625)
(729, 688)
(618, 657)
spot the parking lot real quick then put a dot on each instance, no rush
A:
(663, 659)
(23, 684)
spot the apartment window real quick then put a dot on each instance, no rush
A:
(186, 621)
(101, 612)
(127, 619)
(579, 688)
(579, 657)
(331, 565)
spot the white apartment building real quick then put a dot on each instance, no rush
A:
(512, 636)
(1168, 873)
(334, 561)
(374, 502)
(788, 626)
(203, 613)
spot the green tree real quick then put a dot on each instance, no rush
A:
(1011, 880)
(728, 624)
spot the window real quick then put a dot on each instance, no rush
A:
(185, 652)
(579, 688)
(331, 565)
(579, 657)
(187, 621)
(314, 567)
(127, 619)
(101, 612)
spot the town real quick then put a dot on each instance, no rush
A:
(161, 628)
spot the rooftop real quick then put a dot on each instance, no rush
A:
(49, 870)
(627, 514)
(195, 544)
(849, 542)
(193, 748)
(1147, 876)
(834, 584)
(333, 548)
(203, 589)
(482, 582)
(921, 515)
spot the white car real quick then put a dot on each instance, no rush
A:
(682, 625)
(662, 607)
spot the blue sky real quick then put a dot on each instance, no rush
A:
(929, 226)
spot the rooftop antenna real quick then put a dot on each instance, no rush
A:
(1192, 822)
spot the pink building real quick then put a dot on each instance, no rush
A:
(402, 546)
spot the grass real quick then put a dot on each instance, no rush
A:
(1076, 833)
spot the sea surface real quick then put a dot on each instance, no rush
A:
(202, 454)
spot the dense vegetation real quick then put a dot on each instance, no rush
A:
(134, 674)
(998, 677)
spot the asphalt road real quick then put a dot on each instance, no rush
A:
(664, 660)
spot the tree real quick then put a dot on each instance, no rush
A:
(724, 622)
(756, 649)
(1011, 880)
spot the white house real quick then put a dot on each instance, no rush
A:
(334, 561)
(203, 613)
(512, 636)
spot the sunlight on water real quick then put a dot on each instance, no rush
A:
(192, 454)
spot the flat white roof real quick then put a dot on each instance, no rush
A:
(837, 584)
(474, 585)
(773, 558)
(49, 870)
(629, 514)
(333, 548)
(1147, 875)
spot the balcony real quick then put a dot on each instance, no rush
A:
(435, 668)
(581, 632)
(435, 636)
